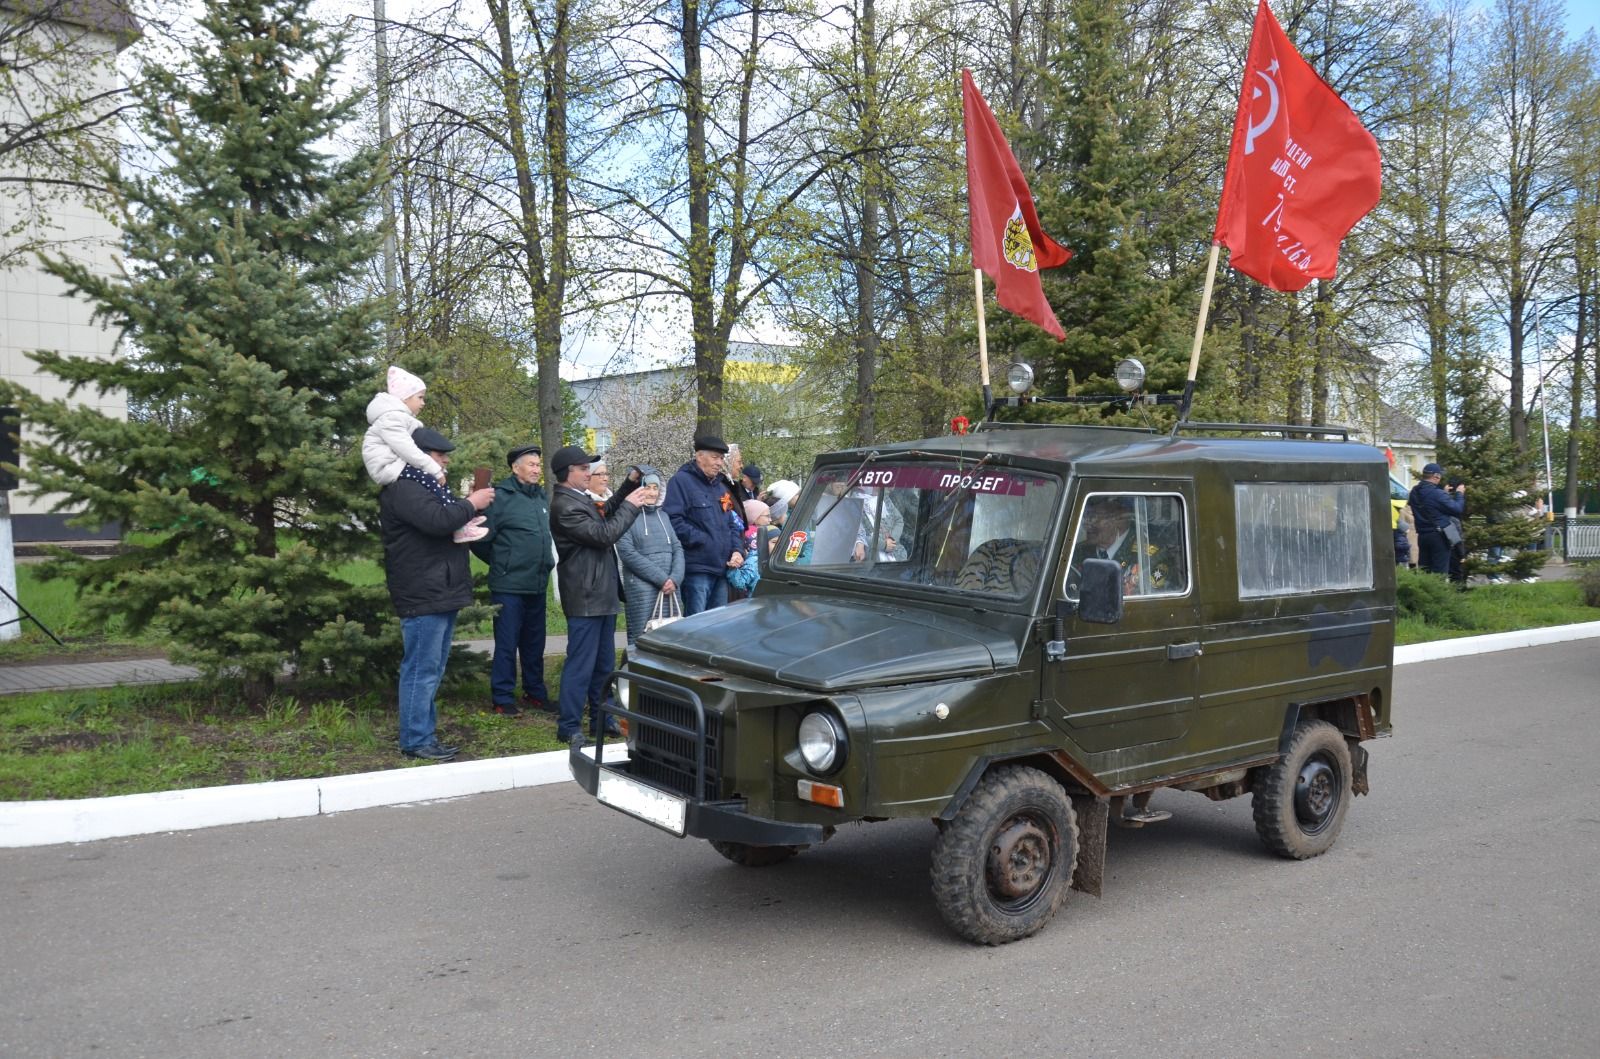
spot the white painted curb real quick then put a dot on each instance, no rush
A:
(89, 819)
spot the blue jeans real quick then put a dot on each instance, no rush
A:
(704, 592)
(427, 643)
(518, 629)
(591, 656)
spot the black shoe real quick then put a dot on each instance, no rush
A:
(507, 709)
(434, 751)
(534, 703)
(574, 739)
(612, 729)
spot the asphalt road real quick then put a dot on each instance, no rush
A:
(1457, 916)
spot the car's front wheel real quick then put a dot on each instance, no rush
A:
(749, 856)
(1002, 867)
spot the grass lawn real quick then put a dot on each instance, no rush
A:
(1439, 612)
(92, 743)
(55, 603)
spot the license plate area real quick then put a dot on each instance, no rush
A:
(664, 810)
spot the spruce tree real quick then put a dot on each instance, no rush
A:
(1102, 192)
(246, 362)
(1499, 481)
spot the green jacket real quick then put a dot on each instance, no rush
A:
(518, 548)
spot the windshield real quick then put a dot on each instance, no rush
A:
(975, 530)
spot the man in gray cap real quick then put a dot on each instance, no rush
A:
(520, 555)
(591, 585)
(1437, 513)
(430, 580)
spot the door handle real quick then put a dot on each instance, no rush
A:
(1183, 650)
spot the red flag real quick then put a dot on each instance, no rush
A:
(1301, 172)
(1007, 241)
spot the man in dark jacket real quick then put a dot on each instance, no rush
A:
(429, 579)
(698, 503)
(1433, 509)
(520, 555)
(590, 583)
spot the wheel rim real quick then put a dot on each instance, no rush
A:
(1021, 861)
(1317, 791)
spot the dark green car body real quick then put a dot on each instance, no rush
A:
(1266, 599)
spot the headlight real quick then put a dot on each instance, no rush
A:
(1130, 374)
(822, 742)
(1019, 377)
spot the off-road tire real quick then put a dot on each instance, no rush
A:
(749, 856)
(1300, 801)
(991, 900)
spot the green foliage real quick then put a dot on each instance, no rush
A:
(1589, 581)
(1499, 481)
(248, 367)
(1431, 599)
(1106, 201)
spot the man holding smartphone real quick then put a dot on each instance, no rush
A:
(590, 583)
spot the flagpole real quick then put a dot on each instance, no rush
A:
(1199, 333)
(983, 342)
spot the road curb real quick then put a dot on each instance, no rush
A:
(90, 819)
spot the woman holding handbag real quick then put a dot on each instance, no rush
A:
(652, 566)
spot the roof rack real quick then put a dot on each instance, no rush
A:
(1286, 429)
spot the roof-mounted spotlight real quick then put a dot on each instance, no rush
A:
(1130, 375)
(1020, 378)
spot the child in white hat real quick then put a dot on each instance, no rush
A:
(387, 448)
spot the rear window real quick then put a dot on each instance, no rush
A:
(1301, 537)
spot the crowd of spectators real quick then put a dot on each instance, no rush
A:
(650, 550)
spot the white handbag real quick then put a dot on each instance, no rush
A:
(667, 610)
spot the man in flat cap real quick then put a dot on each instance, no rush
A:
(700, 504)
(430, 579)
(591, 585)
(1437, 512)
(520, 554)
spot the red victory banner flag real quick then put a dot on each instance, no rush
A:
(1302, 170)
(1007, 241)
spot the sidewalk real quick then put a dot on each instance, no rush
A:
(123, 672)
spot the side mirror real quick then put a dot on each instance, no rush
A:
(1100, 592)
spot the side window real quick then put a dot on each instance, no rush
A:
(1300, 537)
(1146, 534)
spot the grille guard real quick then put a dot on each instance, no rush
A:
(725, 820)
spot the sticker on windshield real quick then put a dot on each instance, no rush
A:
(944, 479)
(791, 551)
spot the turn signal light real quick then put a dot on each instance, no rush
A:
(822, 793)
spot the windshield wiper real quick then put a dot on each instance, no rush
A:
(848, 485)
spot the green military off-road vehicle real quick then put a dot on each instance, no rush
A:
(1022, 633)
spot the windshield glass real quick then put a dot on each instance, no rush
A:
(935, 524)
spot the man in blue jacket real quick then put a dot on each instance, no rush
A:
(520, 555)
(1434, 508)
(430, 579)
(699, 503)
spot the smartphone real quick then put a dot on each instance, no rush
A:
(480, 478)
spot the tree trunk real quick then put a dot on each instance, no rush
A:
(867, 251)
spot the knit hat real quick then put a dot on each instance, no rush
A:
(403, 384)
(753, 510)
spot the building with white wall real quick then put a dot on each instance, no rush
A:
(77, 43)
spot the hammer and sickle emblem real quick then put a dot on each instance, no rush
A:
(1272, 108)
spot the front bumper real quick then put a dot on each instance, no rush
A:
(719, 821)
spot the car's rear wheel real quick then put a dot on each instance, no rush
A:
(1002, 866)
(1300, 801)
(754, 856)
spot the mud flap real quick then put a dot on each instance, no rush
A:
(1358, 769)
(1093, 821)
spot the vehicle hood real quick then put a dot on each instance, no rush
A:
(832, 644)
